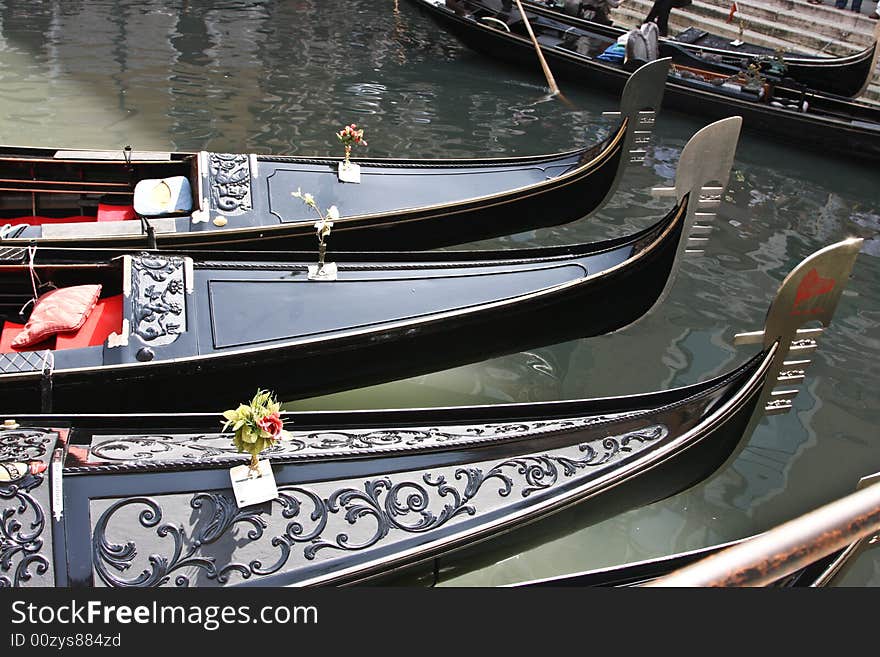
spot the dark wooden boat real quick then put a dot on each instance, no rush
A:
(795, 115)
(848, 75)
(85, 198)
(144, 500)
(224, 323)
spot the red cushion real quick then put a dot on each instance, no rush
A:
(65, 309)
(105, 319)
(10, 330)
(107, 212)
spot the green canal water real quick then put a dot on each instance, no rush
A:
(283, 76)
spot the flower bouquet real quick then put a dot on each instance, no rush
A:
(322, 229)
(349, 136)
(257, 426)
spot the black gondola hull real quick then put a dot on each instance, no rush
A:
(586, 308)
(860, 139)
(426, 482)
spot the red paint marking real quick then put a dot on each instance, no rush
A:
(811, 286)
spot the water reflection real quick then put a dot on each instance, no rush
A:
(283, 76)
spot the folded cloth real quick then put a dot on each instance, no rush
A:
(613, 53)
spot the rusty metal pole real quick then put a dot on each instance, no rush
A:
(788, 548)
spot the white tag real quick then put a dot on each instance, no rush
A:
(350, 173)
(57, 491)
(328, 272)
(737, 43)
(252, 489)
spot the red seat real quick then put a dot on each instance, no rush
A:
(10, 330)
(39, 221)
(106, 318)
(107, 212)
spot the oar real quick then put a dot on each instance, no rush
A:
(554, 90)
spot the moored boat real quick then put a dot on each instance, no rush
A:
(224, 323)
(847, 75)
(130, 199)
(145, 500)
(795, 115)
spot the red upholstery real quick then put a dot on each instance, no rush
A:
(10, 330)
(105, 319)
(107, 212)
(39, 221)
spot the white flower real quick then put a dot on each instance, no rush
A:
(323, 227)
(333, 213)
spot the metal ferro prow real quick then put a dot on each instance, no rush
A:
(810, 293)
(702, 173)
(640, 102)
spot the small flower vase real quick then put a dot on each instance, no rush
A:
(326, 272)
(348, 170)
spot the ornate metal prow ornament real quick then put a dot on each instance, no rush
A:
(702, 174)
(810, 293)
(639, 104)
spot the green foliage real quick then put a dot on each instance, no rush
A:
(257, 426)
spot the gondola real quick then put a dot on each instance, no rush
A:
(145, 500)
(131, 199)
(222, 322)
(848, 75)
(797, 116)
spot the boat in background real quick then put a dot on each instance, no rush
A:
(126, 199)
(847, 75)
(145, 500)
(795, 115)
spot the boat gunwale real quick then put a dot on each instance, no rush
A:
(682, 396)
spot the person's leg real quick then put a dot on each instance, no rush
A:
(840, 4)
(663, 17)
(857, 6)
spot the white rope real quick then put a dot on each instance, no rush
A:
(32, 252)
(49, 362)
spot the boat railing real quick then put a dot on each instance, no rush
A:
(846, 525)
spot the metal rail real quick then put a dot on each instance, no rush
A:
(849, 522)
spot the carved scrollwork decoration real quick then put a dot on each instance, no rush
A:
(110, 556)
(128, 449)
(158, 298)
(21, 528)
(404, 504)
(230, 182)
(173, 447)
(24, 445)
